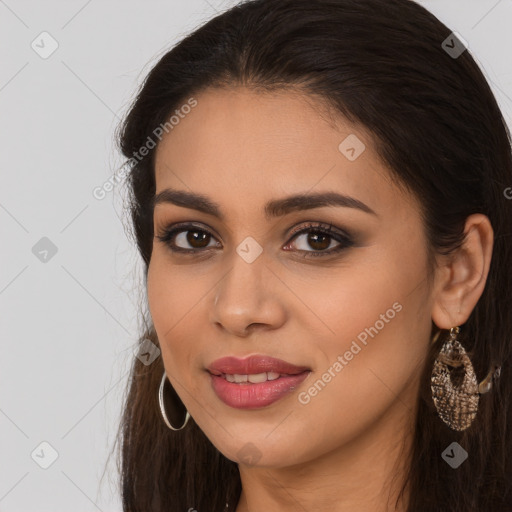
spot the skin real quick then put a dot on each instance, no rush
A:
(341, 449)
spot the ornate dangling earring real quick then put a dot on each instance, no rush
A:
(455, 390)
(162, 407)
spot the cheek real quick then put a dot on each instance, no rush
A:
(173, 294)
(380, 317)
(173, 299)
(383, 293)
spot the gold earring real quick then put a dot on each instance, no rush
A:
(455, 390)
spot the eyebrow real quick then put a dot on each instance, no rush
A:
(274, 208)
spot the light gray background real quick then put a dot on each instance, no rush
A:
(69, 325)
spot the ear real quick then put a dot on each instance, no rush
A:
(461, 276)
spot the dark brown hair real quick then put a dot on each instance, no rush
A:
(436, 124)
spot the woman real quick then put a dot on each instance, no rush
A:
(319, 196)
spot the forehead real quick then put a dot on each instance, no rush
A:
(253, 143)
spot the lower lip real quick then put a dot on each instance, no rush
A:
(253, 396)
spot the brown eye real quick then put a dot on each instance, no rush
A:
(196, 238)
(313, 241)
(317, 240)
(187, 239)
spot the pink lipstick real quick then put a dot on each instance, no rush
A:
(254, 382)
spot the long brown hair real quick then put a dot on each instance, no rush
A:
(436, 124)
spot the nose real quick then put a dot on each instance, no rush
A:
(249, 297)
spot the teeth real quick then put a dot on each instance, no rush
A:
(254, 378)
(257, 377)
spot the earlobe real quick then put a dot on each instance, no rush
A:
(460, 280)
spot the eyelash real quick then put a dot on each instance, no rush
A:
(166, 236)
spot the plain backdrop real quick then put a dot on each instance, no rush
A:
(70, 278)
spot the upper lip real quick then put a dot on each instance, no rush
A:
(253, 364)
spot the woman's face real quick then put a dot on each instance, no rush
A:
(352, 306)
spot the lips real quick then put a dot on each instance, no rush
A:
(255, 396)
(253, 365)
